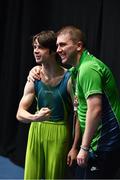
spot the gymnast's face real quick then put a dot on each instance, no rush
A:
(41, 54)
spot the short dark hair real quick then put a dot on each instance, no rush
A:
(75, 33)
(47, 39)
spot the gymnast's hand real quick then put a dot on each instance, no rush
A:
(42, 115)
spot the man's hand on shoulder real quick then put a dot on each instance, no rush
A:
(34, 74)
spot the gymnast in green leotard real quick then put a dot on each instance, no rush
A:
(50, 130)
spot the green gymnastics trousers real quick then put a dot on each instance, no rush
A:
(47, 149)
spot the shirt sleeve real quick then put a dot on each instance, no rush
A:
(90, 81)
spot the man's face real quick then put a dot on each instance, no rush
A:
(66, 48)
(41, 54)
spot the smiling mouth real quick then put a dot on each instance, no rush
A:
(62, 56)
(37, 57)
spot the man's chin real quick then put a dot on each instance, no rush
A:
(38, 61)
(64, 61)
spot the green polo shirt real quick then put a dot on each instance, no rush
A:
(94, 77)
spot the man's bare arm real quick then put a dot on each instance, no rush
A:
(72, 155)
(93, 116)
(23, 114)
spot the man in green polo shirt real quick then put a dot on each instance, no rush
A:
(98, 106)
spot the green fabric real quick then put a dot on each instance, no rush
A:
(47, 150)
(94, 77)
(56, 98)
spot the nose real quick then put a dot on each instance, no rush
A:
(36, 50)
(59, 49)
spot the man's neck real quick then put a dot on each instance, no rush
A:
(52, 69)
(52, 75)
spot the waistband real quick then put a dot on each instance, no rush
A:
(54, 122)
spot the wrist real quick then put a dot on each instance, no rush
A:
(84, 148)
(74, 149)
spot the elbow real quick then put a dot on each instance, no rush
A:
(21, 118)
(18, 117)
(99, 111)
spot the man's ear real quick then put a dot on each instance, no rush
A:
(79, 46)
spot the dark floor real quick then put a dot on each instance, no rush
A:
(8, 170)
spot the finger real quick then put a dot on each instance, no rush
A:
(37, 69)
(36, 72)
(46, 113)
(29, 79)
(70, 163)
(46, 109)
(81, 162)
(46, 117)
(68, 160)
(36, 76)
(78, 162)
